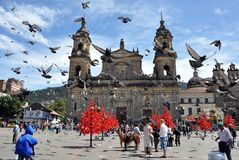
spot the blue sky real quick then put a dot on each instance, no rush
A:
(196, 22)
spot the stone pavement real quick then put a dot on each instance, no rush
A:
(71, 146)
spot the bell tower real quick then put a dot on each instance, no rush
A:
(165, 56)
(80, 55)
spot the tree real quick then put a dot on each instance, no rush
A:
(90, 121)
(229, 120)
(59, 106)
(203, 123)
(9, 107)
(166, 116)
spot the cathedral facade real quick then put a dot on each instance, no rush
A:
(122, 87)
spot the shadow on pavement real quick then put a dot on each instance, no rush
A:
(76, 147)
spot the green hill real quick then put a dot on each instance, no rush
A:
(48, 94)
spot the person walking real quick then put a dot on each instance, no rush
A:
(170, 137)
(163, 137)
(225, 139)
(147, 139)
(177, 136)
(233, 133)
(16, 130)
(25, 145)
(156, 139)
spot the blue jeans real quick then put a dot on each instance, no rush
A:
(163, 143)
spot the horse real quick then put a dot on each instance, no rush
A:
(128, 138)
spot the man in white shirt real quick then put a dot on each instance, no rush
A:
(163, 137)
(225, 138)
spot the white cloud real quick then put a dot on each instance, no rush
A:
(7, 43)
(42, 16)
(219, 11)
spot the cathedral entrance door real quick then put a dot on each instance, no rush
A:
(121, 114)
(147, 113)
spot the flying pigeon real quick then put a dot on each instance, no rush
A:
(16, 70)
(31, 42)
(106, 54)
(197, 63)
(93, 63)
(217, 43)
(45, 73)
(32, 27)
(85, 4)
(13, 9)
(63, 73)
(147, 52)
(53, 49)
(8, 53)
(26, 52)
(124, 19)
(81, 19)
(217, 63)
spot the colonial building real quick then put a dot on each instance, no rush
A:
(197, 99)
(122, 87)
(13, 85)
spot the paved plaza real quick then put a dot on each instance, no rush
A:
(70, 146)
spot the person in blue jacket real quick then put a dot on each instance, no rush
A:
(25, 144)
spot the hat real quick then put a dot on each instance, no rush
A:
(219, 125)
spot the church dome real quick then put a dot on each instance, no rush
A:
(195, 81)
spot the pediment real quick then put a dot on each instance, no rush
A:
(123, 53)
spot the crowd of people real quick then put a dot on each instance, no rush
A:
(152, 136)
(165, 136)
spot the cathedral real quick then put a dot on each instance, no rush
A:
(122, 87)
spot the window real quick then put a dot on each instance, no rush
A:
(198, 110)
(189, 100)
(182, 111)
(190, 110)
(197, 100)
(166, 70)
(206, 100)
(181, 100)
(75, 106)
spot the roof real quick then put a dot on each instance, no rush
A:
(40, 106)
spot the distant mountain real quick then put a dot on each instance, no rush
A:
(47, 95)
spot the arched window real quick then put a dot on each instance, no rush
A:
(165, 45)
(75, 106)
(80, 46)
(166, 71)
(78, 70)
